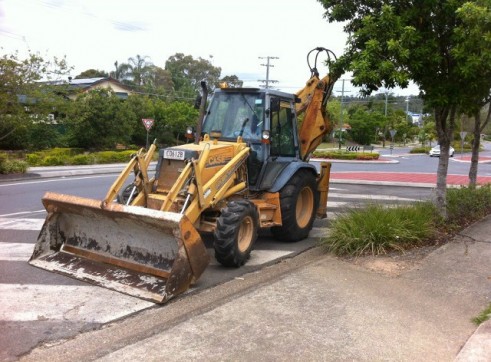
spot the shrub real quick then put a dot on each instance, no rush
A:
(113, 156)
(53, 161)
(367, 156)
(342, 155)
(468, 204)
(75, 156)
(377, 229)
(12, 166)
(420, 150)
(34, 159)
(82, 160)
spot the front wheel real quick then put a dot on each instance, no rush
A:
(299, 200)
(236, 233)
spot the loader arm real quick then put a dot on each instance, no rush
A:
(200, 195)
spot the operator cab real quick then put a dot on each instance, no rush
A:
(236, 113)
(266, 121)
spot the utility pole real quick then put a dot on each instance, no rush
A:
(267, 65)
(341, 114)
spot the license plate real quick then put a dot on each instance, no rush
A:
(174, 155)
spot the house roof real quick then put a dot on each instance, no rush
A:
(86, 82)
(90, 82)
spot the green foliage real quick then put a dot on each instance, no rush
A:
(342, 155)
(483, 316)
(420, 150)
(43, 135)
(8, 166)
(187, 73)
(364, 125)
(113, 156)
(97, 121)
(23, 99)
(77, 156)
(84, 159)
(467, 204)
(377, 229)
(442, 46)
(92, 73)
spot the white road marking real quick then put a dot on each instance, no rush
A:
(87, 304)
(15, 251)
(63, 178)
(21, 224)
(22, 213)
(369, 197)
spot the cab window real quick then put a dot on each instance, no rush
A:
(282, 132)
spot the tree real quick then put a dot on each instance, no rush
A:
(28, 95)
(173, 118)
(364, 124)
(92, 73)
(187, 73)
(137, 72)
(393, 42)
(96, 120)
(232, 81)
(473, 51)
(479, 126)
(140, 69)
(120, 71)
(160, 81)
(137, 107)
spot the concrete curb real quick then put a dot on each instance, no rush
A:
(354, 161)
(478, 346)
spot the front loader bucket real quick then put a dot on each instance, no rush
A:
(146, 253)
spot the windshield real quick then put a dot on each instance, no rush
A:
(236, 114)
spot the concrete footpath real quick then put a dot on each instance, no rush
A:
(317, 307)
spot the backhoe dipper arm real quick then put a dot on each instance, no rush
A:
(313, 99)
(316, 122)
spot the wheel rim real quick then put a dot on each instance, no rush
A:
(305, 204)
(246, 230)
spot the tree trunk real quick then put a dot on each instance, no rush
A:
(475, 150)
(445, 122)
(476, 142)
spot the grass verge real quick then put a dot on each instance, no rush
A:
(377, 229)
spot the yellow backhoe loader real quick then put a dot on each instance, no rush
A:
(247, 169)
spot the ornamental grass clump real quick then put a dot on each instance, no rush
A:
(468, 204)
(377, 229)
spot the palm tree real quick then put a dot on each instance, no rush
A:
(121, 71)
(140, 68)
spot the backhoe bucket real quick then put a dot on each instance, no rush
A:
(146, 253)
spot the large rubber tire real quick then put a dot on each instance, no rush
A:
(299, 200)
(236, 233)
(124, 195)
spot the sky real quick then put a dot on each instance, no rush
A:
(233, 35)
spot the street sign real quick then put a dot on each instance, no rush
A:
(392, 133)
(148, 123)
(462, 135)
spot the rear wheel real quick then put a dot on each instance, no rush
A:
(236, 233)
(299, 200)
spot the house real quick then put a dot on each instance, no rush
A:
(88, 84)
